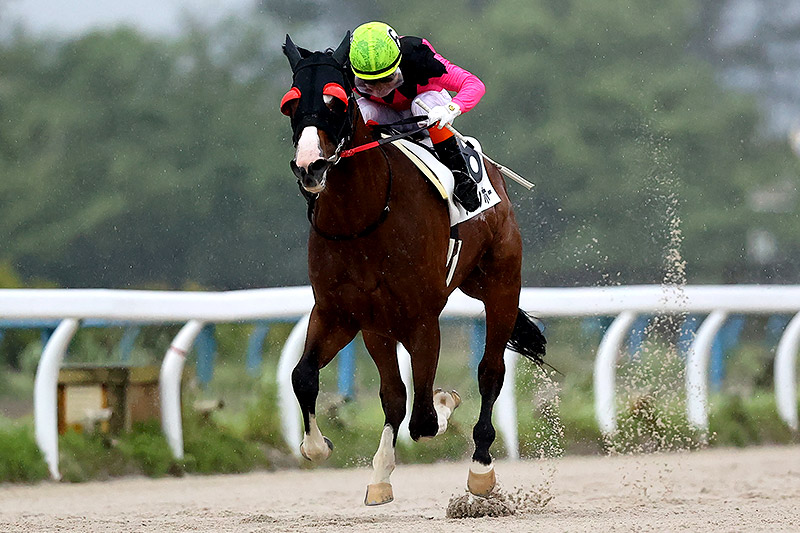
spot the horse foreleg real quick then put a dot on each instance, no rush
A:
(323, 341)
(379, 490)
(393, 399)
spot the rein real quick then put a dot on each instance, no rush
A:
(389, 138)
(370, 228)
(339, 154)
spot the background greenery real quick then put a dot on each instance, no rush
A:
(131, 161)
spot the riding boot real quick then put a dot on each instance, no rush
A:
(465, 190)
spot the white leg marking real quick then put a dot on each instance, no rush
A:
(444, 403)
(481, 479)
(383, 463)
(308, 148)
(314, 445)
(480, 469)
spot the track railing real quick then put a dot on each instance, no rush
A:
(196, 309)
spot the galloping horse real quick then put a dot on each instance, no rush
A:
(377, 250)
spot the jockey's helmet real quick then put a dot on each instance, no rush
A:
(374, 51)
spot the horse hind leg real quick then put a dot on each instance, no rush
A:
(501, 311)
(444, 403)
(393, 400)
(324, 339)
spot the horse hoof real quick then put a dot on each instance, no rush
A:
(481, 484)
(378, 494)
(456, 398)
(322, 456)
(449, 399)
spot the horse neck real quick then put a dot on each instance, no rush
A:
(356, 188)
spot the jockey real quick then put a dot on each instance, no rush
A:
(391, 72)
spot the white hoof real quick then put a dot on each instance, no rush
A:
(318, 454)
(444, 403)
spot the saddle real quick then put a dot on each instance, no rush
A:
(442, 179)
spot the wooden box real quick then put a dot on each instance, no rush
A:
(109, 397)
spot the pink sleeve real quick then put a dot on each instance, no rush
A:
(468, 87)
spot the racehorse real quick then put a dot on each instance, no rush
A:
(377, 250)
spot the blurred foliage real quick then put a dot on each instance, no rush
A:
(130, 161)
(20, 458)
(208, 447)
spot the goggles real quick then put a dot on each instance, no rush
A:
(382, 86)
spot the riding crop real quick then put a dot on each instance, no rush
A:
(503, 169)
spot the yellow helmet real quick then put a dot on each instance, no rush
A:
(374, 51)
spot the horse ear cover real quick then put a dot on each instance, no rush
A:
(343, 50)
(291, 52)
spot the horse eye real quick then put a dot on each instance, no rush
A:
(290, 107)
(333, 103)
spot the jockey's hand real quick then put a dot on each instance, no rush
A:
(443, 114)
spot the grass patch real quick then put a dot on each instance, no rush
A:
(740, 421)
(20, 459)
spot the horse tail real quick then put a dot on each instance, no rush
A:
(527, 339)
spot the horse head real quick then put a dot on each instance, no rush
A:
(320, 105)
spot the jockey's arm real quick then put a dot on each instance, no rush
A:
(468, 87)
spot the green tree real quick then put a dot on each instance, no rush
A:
(130, 161)
(627, 134)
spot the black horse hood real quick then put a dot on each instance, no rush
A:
(310, 85)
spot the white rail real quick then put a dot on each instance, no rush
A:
(197, 308)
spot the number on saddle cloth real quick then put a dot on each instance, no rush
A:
(473, 159)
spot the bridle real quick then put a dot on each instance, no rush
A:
(345, 135)
(311, 200)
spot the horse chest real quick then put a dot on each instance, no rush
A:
(378, 288)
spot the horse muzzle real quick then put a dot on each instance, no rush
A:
(312, 179)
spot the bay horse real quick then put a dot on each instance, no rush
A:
(377, 250)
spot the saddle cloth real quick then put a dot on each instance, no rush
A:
(442, 178)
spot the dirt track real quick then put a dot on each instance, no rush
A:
(717, 490)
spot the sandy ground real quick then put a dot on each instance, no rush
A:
(748, 490)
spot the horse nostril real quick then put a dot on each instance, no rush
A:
(317, 167)
(299, 172)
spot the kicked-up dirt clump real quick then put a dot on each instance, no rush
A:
(498, 503)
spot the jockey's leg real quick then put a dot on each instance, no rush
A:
(325, 337)
(446, 146)
(377, 113)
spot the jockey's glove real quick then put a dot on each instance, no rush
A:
(443, 114)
